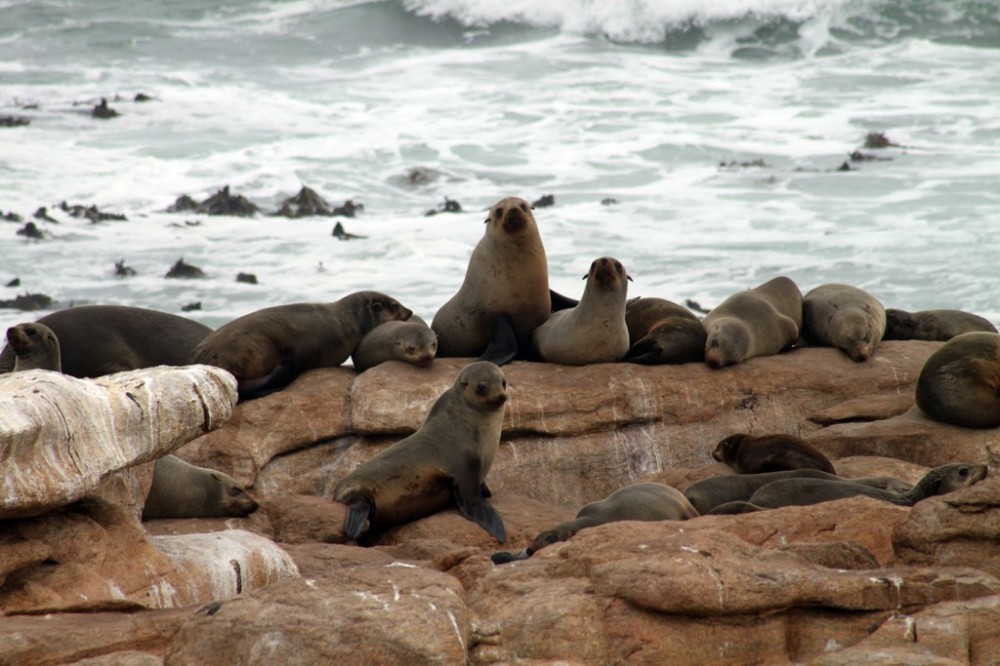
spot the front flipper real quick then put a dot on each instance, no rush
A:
(486, 492)
(358, 511)
(472, 505)
(503, 340)
(282, 375)
(646, 352)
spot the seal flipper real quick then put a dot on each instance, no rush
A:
(503, 342)
(503, 557)
(646, 352)
(484, 489)
(560, 302)
(282, 375)
(468, 497)
(358, 511)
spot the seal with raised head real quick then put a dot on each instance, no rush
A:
(939, 325)
(505, 295)
(445, 461)
(267, 349)
(753, 454)
(661, 331)
(640, 501)
(183, 490)
(845, 317)
(410, 341)
(35, 347)
(960, 382)
(98, 340)
(594, 330)
(761, 321)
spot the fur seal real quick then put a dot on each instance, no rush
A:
(940, 325)
(446, 460)
(593, 331)
(845, 317)
(757, 322)
(753, 454)
(410, 341)
(36, 347)
(715, 491)
(505, 295)
(960, 382)
(183, 490)
(661, 331)
(267, 349)
(640, 501)
(98, 340)
(803, 492)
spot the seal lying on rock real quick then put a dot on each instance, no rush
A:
(640, 501)
(940, 325)
(753, 454)
(446, 460)
(410, 341)
(661, 331)
(960, 382)
(845, 317)
(183, 490)
(35, 346)
(267, 349)
(757, 322)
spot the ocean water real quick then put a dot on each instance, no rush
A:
(716, 126)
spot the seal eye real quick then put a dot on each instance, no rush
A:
(376, 305)
(964, 472)
(504, 383)
(524, 207)
(551, 538)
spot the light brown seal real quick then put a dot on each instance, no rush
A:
(845, 317)
(267, 349)
(940, 325)
(98, 340)
(757, 322)
(36, 347)
(410, 341)
(505, 295)
(443, 462)
(183, 490)
(593, 331)
(661, 331)
(960, 382)
(754, 454)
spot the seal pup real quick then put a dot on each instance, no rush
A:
(845, 317)
(757, 322)
(505, 295)
(960, 382)
(410, 341)
(98, 340)
(640, 501)
(267, 349)
(183, 490)
(715, 491)
(35, 347)
(593, 331)
(446, 460)
(939, 325)
(753, 454)
(661, 331)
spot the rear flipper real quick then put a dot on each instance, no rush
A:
(646, 352)
(503, 342)
(358, 512)
(282, 375)
(471, 504)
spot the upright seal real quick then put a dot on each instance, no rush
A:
(757, 322)
(960, 382)
(36, 347)
(845, 317)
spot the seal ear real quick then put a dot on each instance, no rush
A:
(376, 305)
(629, 277)
(586, 276)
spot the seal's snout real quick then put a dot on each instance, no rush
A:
(515, 219)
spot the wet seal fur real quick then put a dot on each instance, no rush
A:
(661, 331)
(593, 331)
(183, 490)
(761, 321)
(411, 341)
(98, 340)
(35, 347)
(445, 461)
(753, 454)
(640, 501)
(845, 317)
(267, 349)
(960, 382)
(505, 295)
(939, 325)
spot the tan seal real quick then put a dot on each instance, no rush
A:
(593, 331)
(505, 295)
(845, 317)
(445, 461)
(939, 325)
(35, 347)
(411, 341)
(183, 490)
(267, 349)
(661, 331)
(754, 454)
(757, 322)
(960, 382)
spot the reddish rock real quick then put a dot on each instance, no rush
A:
(866, 408)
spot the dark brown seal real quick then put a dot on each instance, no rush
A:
(267, 349)
(444, 462)
(845, 317)
(753, 454)
(505, 295)
(757, 322)
(661, 331)
(939, 325)
(410, 341)
(35, 347)
(960, 382)
(183, 490)
(97, 340)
